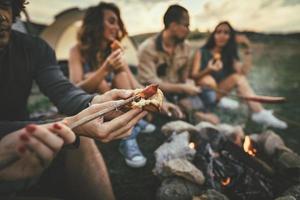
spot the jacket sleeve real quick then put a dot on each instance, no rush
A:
(68, 98)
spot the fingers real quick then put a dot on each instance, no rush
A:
(114, 54)
(42, 151)
(63, 131)
(120, 124)
(96, 107)
(45, 136)
(125, 130)
(116, 59)
(116, 94)
(177, 112)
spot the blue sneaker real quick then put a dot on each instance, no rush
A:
(132, 153)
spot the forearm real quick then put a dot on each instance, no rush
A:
(171, 87)
(69, 99)
(133, 80)
(201, 74)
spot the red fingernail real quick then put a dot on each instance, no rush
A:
(24, 137)
(22, 149)
(57, 126)
(30, 128)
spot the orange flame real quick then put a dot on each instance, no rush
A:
(226, 181)
(192, 145)
(248, 146)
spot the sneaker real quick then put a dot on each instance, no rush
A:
(132, 153)
(228, 103)
(267, 118)
(146, 127)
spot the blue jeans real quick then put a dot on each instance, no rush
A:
(209, 98)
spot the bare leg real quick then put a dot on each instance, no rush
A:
(87, 175)
(243, 88)
(207, 81)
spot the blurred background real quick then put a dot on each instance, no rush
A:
(273, 26)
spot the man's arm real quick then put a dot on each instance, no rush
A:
(51, 81)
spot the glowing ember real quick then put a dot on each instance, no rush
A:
(248, 146)
(192, 145)
(226, 181)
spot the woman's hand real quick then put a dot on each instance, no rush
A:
(215, 66)
(34, 147)
(119, 124)
(115, 60)
(191, 90)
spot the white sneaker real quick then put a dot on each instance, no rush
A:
(228, 103)
(267, 118)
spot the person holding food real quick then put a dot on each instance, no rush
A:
(217, 65)
(97, 64)
(24, 59)
(165, 59)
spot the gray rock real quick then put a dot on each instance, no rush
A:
(211, 195)
(177, 127)
(286, 198)
(176, 188)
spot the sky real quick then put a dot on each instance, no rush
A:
(142, 16)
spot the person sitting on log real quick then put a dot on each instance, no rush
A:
(217, 65)
(165, 59)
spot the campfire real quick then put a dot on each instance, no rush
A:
(248, 146)
(221, 159)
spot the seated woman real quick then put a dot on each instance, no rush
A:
(217, 65)
(95, 67)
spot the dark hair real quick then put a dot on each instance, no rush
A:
(17, 7)
(229, 51)
(174, 14)
(91, 32)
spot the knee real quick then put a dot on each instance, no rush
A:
(208, 81)
(239, 79)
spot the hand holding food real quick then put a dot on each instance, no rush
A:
(215, 65)
(116, 45)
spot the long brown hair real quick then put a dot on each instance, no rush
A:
(91, 32)
(229, 51)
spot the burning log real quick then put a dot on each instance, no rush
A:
(251, 161)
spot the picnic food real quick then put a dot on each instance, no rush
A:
(217, 56)
(115, 45)
(150, 98)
